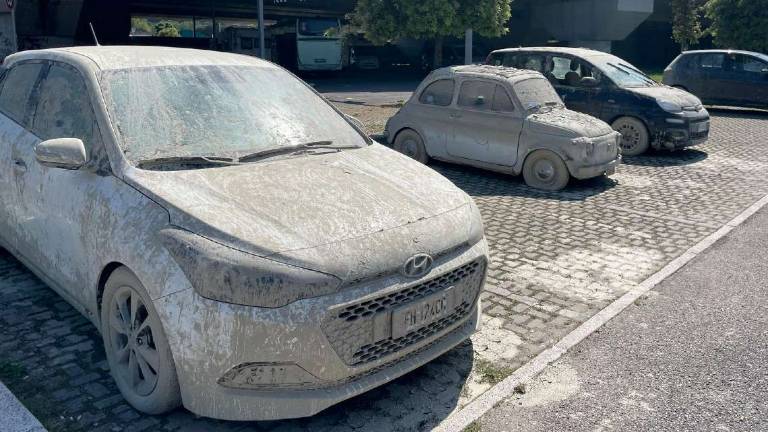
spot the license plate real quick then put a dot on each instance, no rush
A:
(422, 313)
(700, 127)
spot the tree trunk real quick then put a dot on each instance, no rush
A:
(437, 61)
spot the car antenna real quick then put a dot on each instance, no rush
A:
(93, 32)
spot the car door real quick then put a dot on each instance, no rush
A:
(431, 113)
(486, 125)
(16, 107)
(60, 205)
(748, 80)
(566, 76)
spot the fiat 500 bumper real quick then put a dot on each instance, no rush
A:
(247, 363)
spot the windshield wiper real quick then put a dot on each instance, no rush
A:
(326, 144)
(196, 160)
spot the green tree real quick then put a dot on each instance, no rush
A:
(739, 24)
(686, 24)
(141, 25)
(383, 21)
(166, 29)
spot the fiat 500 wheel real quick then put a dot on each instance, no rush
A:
(545, 170)
(634, 136)
(137, 350)
(409, 143)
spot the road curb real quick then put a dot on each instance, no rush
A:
(474, 410)
(15, 416)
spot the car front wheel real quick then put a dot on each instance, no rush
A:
(634, 136)
(409, 143)
(137, 350)
(545, 170)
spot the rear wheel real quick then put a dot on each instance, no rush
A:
(137, 350)
(545, 170)
(409, 143)
(635, 139)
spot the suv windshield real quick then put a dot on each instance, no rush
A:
(537, 92)
(622, 73)
(217, 111)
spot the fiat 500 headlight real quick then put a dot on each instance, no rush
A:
(669, 106)
(224, 274)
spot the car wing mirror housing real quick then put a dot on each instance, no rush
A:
(65, 153)
(589, 82)
(480, 101)
(355, 121)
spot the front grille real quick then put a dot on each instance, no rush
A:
(351, 329)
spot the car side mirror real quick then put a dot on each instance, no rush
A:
(65, 153)
(355, 121)
(480, 101)
(589, 82)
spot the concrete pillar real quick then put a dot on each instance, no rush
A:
(468, 47)
(8, 38)
(604, 46)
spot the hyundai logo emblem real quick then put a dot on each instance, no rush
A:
(417, 266)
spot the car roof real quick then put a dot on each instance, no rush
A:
(725, 51)
(580, 52)
(486, 71)
(127, 57)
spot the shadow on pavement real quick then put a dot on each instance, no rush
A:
(737, 112)
(660, 158)
(478, 182)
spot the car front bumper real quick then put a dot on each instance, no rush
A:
(589, 171)
(677, 131)
(246, 363)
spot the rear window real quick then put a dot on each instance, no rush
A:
(438, 93)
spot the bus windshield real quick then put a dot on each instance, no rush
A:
(325, 27)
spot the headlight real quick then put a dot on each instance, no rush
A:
(668, 106)
(476, 228)
(586, 144)
(224, 274)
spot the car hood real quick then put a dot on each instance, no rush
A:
(565, 122)
(280, 207)
(671, 94)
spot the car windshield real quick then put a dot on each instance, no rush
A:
(622, 73)
(535, 93)
(319, 27)
(217, 111)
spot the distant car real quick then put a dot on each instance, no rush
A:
(243, 249)
(646, 113)
(506, 120)
(722, 77)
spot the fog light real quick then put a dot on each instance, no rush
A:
(266, 375)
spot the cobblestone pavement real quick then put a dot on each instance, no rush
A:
(557, 258)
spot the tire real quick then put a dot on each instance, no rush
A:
(137, 349)
(545, 170)
(409, 143)
(635, 138)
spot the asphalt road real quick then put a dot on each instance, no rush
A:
(690, 356)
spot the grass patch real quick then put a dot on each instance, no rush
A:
(10, 371)
(489, 373)
(473, 427)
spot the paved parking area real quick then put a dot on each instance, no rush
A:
(557, 258)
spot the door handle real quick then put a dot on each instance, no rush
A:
(19, 165)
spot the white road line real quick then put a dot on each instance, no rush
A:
(475, 409)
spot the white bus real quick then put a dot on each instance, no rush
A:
(319, 44)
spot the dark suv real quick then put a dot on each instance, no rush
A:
(722, 77)
(647, 114)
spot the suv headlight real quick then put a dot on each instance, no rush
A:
(669, 106)
(224, 274)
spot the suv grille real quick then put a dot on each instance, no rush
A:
(351, 329)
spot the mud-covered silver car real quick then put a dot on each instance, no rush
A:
(242, 247)
(506, 120)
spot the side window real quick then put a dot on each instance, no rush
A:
(743, 63)
(501, 100)
(477, 95)
(438, 93)
(560, 67)
(533, 62)
(509, 60)
(713, 61)
(16, 95)
(64, 109)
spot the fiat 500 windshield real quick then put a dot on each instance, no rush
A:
(233, 112)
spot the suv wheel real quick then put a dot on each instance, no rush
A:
(635, 139)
